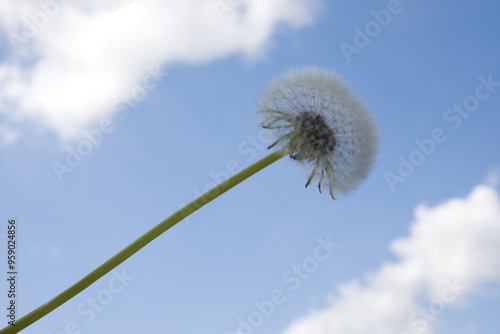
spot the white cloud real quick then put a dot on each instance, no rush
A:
(451, 251)
(73, 59)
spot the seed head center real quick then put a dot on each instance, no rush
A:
(316, 131)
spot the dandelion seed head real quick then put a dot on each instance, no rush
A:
(320, 122)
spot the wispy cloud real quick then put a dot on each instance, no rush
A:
(493, 177)
(452, 249)
(70, 61)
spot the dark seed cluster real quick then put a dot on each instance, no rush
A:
(316, 131)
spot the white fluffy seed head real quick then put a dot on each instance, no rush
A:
(319, 121)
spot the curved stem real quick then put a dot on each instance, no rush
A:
(142, 241)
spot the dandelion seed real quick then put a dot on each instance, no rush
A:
(319, 122)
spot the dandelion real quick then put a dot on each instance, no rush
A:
(318, 121)
(322, 124)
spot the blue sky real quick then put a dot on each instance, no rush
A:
(250, 261)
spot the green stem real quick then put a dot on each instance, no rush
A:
(142, 241)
